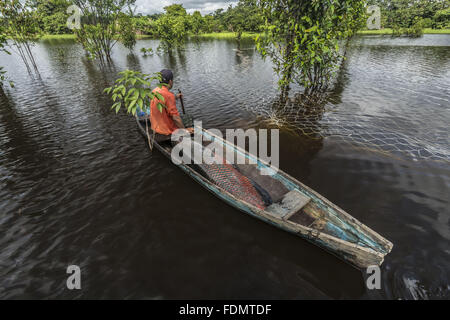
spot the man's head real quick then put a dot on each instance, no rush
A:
(167, 77)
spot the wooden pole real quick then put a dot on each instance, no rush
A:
(182, 102)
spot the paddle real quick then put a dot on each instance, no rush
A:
(182, 102)
(186, 118)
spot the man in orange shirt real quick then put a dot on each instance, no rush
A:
(168, 120)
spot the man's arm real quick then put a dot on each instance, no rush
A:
(175, 115)
(178, 122)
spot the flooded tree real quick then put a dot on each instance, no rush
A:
(172, 27)
(3, 76)
(196, 22)
(19, 25)
(244, 16)
(302, 39)
(127, 31)
(105, 23)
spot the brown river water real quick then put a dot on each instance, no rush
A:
(78, 184)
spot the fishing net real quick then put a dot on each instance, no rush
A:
(384, 135)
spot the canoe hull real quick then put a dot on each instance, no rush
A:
(357, 255)
(353, 254)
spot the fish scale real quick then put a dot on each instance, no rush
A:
(228, 178)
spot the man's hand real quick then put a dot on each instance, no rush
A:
(190, 130)
(178, 96)
(179, 123)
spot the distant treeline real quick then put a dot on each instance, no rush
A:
(409, 13)
(245, 17)
(302, 38)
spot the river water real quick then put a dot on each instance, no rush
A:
(78, 184)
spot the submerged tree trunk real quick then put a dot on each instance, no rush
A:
(25, 53)
(238, 36)
(287, 69)
(31, 56)
(22, 56)
(285, 87)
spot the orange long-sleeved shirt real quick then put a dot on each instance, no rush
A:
(162, 122)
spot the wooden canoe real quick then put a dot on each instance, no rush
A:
(294, 207)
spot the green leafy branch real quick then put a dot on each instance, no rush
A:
(146, 51)
(3, 76)
(133, 90)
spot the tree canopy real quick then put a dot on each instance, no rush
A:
(302, 38)
(244, 16)
(105, 22)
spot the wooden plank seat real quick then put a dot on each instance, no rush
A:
(291, 203)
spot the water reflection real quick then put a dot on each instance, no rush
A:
(90, 192)
(244, 58)
(133, 62)
(169, 59)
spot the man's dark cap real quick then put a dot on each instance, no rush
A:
(166, 75)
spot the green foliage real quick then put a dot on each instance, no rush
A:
(245, 16)
(3, 76)
(302, 39)
(91, 38)
(397, 31)
(52, 15)
(20, 21)
(196, 22)
(405, 13)
(172, 27)
(235, 19)
(146, 51)
(416, 30)
(227, 35)
(104, 23)
(209, 24)
(127, 31)
(427, 23)
(133, 90)
(3, 41)
(442, 19)
(55, 24)
(20, 26)
(146, 25)
(175, 24)
(410, 18)
(215, 21)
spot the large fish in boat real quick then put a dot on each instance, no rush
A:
(230, 179)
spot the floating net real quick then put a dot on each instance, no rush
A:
(386, 135)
